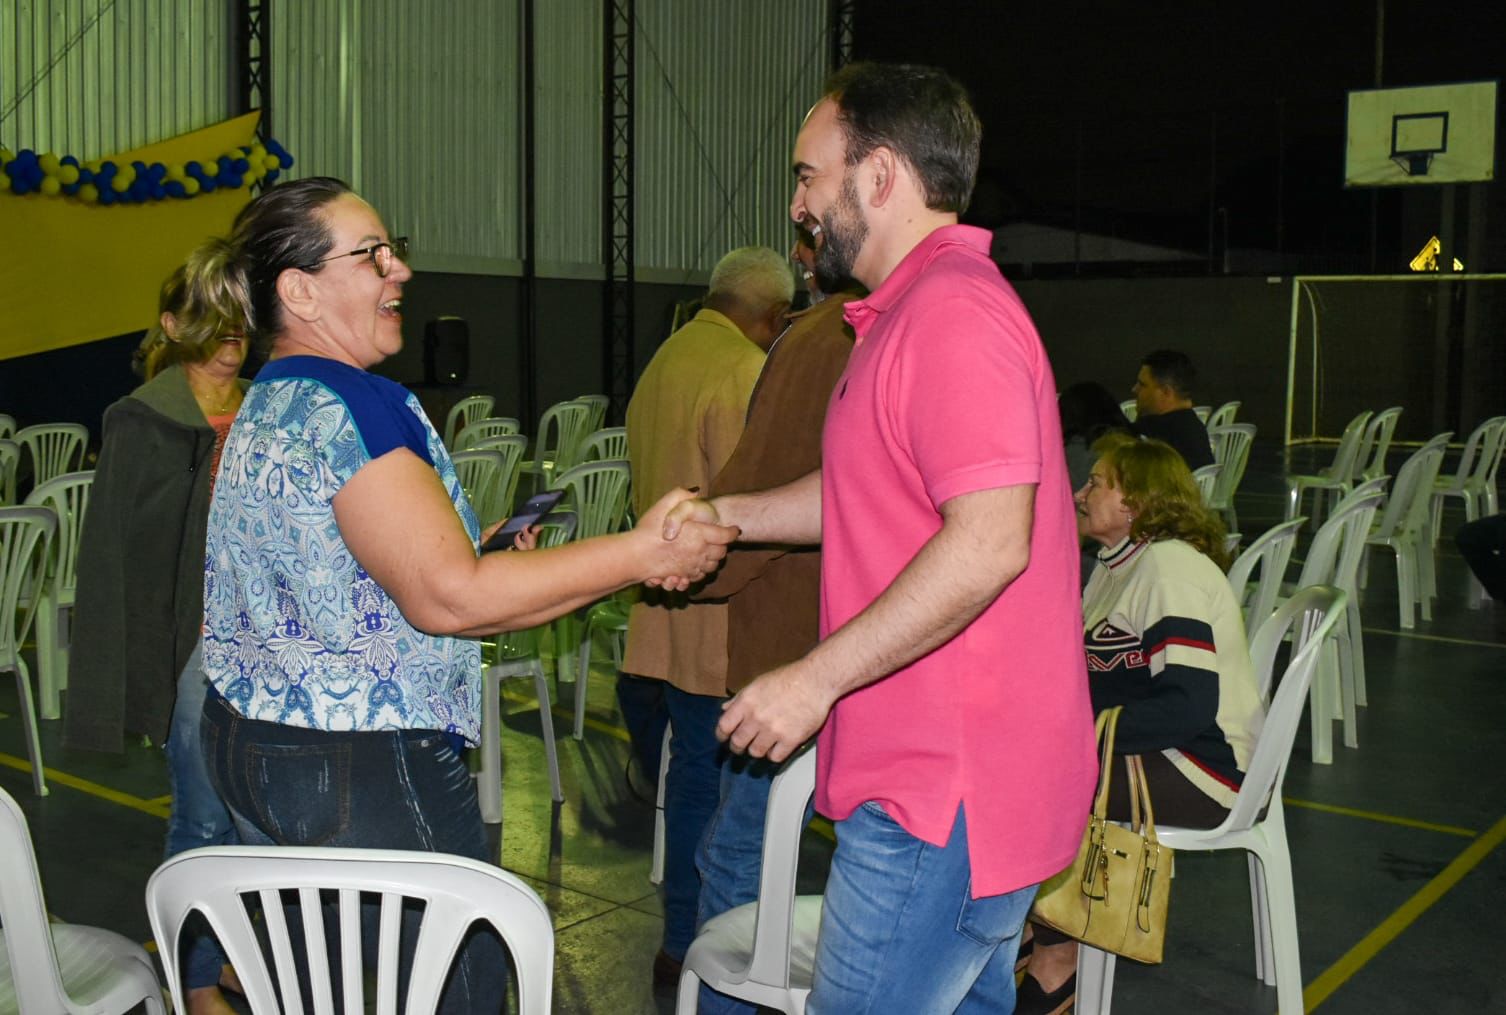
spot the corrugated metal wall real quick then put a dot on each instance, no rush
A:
(418, 107)
(95, 77)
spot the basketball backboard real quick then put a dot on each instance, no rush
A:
(1431, 134)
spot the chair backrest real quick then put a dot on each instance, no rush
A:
(55, 448)
(1207, 480)
(1473, 458)
(783, 821)
(598, 417)
(492, 426)
(1490, 462)
(1231, 450)
(1224, 414)
(465, 412)
(228, 883)
(511, 446)
(7, 426)
(26, 535)
(1365, 489)
(1130, 408)
(1412, 494)
(1340, 538)
(10, 458)
(605, 444)
(23, 912)
(1343, 467)
(1272, 551)
(562, 428)
(1370, 459)
(68, 498)
(480, 475)
(1202, 412)
(599, 492)
(1309, 616)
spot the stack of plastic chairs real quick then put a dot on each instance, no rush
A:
(67, 497)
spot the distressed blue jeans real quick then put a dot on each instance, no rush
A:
(400, 789)
(198, 816)
(901, 932)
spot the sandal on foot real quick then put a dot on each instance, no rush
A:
(1032, 999)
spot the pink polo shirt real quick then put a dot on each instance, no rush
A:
(948, 391)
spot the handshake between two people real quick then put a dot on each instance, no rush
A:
(685, 539)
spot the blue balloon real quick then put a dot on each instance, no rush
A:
(140, 167)
(207, 185)
(71, 188)
(34, 175)
(242, 166)
(156, 172)
(285, 160)
(13, 168)
(272, 175)
(26, 157)
(107, 196)
(174, 188)
(139, 190)
(68, 160)
(193, 169)
(107, 170)
(85, 176)
(158, 192)
(19, 186)
(223, 162)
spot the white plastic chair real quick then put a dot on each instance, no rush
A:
(7, 426)
(1370, 460)
(610, 615)
(60, 968)
(482, 478)
(1207, 481)
(1223, 415)
(1271, 552)
(472, 434)
(1202, 412)
(10, 460)
(1310, 616)
(67, 496)
(763, 952)
(1338, 477)
(598, 493)
(220, 882)
(656, 869)
(1405, 528)
(1130, 408)
(516, 654)
(465, 412)
(605, 444)
(562, 429)
(598, 417)
(1350, 582)
(26, 535)
(55, 448)
(1474, 477)
(1231, 451)
(511, 447)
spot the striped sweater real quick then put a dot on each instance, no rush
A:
(1166, 640)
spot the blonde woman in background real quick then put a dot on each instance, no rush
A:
(135, 664)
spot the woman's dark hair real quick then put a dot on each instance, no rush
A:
(279, 230)
(1089, 411)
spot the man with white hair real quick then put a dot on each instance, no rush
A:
(683, 422)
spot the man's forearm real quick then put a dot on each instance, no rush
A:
(789, 514)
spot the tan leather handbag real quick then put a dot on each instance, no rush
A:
(1114, 897)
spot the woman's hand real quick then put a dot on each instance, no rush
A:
(527, 539)
(695, 551)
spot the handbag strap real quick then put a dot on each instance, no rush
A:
(1140, 798)
(1108, 722)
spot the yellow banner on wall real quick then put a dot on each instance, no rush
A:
(72, 272)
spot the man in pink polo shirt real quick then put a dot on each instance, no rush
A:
(950, 691)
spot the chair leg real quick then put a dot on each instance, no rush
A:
(489, 779)
(1343, 664)
(689, 996)
(1357, 651)
(546, 724)
(582, 680)
(29, 724)
(1281, 900)
(1095, 981)
(1265, 959)
(1406, 585)
(656, 870)
(47, 657)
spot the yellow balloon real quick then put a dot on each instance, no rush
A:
(272, 162)
(175, 171)
(5, 155)
(94, 165)
(49, 163)
(51, 186)
(4, 183)
(68, 174)
(190, 186)
(88, 193)
(120, 184)
(124, 177)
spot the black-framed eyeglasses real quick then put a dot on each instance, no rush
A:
(380, 254)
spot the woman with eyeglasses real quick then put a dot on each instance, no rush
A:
(342, 572)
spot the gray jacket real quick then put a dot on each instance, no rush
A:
(140, 601)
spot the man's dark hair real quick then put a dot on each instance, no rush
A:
(922, 114)
(1172, 369)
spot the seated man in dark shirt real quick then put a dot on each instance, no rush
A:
(1163, 402)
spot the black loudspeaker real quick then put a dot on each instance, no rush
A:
(1483, 544)
(447, 351)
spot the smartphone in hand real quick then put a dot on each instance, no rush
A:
(535, 510)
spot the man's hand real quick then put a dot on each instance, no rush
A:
(692, 510)
(774, 715)
(698, 546)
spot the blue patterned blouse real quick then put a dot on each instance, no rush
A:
(295, 631)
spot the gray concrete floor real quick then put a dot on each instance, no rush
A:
(1432, 753)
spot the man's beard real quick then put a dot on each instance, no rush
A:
(843, 231)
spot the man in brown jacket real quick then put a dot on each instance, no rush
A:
(683, 421)
(772, 592)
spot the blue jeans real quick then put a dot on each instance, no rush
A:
(730, 857)
(198, 816)
(399, 789)
(691, 793)
(900, 931)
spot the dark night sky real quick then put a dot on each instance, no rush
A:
(1144, 91)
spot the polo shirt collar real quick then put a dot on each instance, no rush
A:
(864, 313)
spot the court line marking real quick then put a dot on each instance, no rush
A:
(1389, 929)
(1434, 637)
(1389, 819)
(114, 796)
